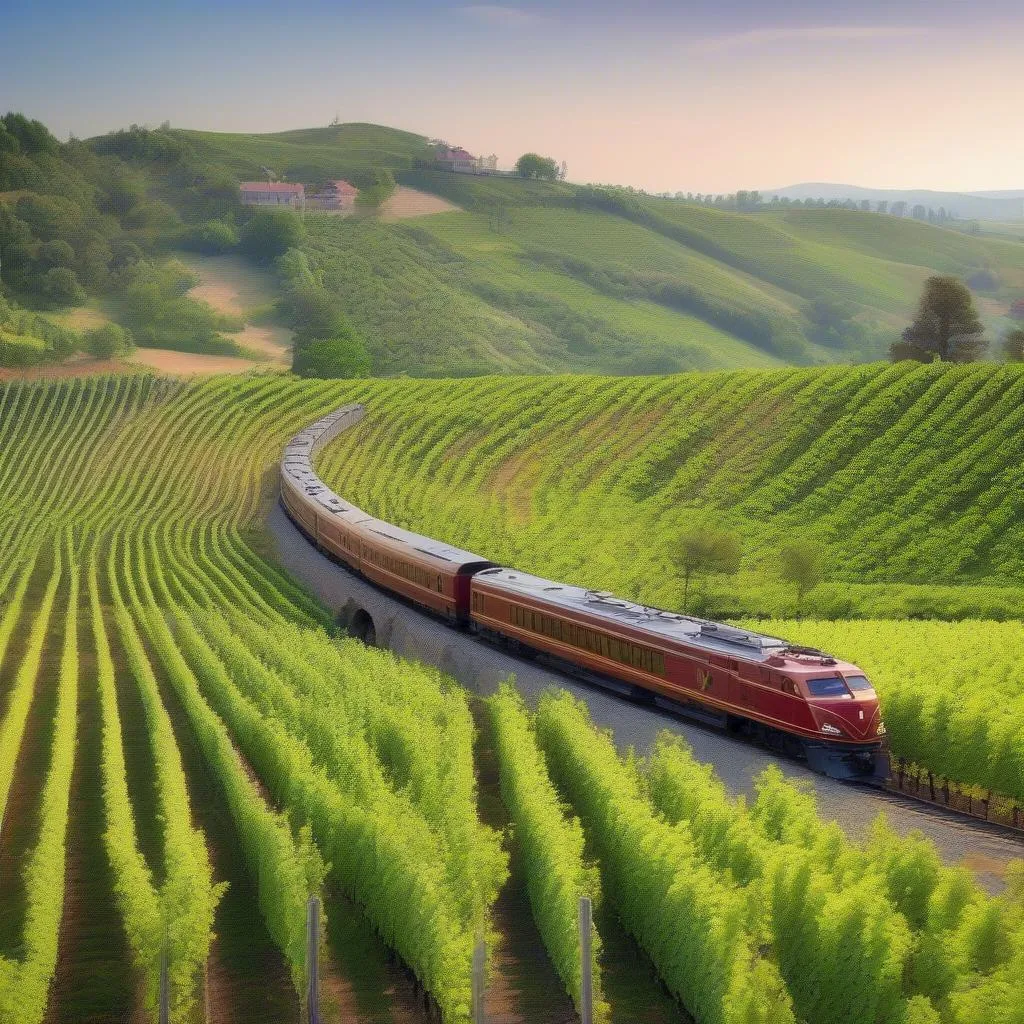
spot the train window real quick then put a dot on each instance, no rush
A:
(440, 585)
(859, 683)
(788, 686)
(831, 686)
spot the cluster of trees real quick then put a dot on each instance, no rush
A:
(700, 551)
(325, 344)
(543, 168)
(749, 201)
(947, 328)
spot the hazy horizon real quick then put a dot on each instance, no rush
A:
(715, 98)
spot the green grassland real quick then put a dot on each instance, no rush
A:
(311, 152)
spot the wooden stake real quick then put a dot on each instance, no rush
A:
(313, 959)
(586, 962)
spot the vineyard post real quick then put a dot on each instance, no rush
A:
(165, 993)
(479, 959)
(313, 958)
(586, 963)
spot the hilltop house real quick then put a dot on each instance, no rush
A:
(456, 159)
(335, 195)
(271, 193)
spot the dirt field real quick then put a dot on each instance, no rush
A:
(410, 202)
(186, 363)
(233, 286)
(82, 367)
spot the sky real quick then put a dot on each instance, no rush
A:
(660, 94)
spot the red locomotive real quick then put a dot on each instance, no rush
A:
(794, 699)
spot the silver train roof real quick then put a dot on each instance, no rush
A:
(297, 465)
(713, 636)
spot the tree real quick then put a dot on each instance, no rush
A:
(946, 327)
(60, 286)
(376, 185)
(799, 564)
(1013, 346)
(701, 550)
(533, 165)
(344, 355)
(269, 233)
(108, 341)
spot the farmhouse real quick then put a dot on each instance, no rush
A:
(456, 160)
(271, 193)
(335, 195)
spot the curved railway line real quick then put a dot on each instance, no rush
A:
(381, 617)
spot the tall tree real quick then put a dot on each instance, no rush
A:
(800, 564)
(1013, 346)
(533, 165)
(701, 550)
(947, 326)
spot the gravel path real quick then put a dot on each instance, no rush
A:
(480, 668)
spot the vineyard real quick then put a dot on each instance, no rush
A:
(909, 478)
(188, 754)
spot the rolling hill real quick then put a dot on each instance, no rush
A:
(542, 277)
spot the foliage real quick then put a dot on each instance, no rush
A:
(344, 355)
(552, 844)
(60, 287)
(799, 564)
(155, 307)
(532, 165)
(1013, 346)
(692, 920)
(270, 233)
(325, 752)
(211, 236)
(905, 475)
(946, 327)
(700, 550)
(107, 342)
(375, 185)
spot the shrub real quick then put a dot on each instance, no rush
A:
(60, 287)
(108, 341)
(270, 233)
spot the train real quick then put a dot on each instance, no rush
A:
(796, 700)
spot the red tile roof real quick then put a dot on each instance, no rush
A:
(271, 186)
(343, 188)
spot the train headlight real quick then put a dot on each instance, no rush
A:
(881, 728)
(831, 730)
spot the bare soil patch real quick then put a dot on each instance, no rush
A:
(410, 202)
(234, 287)
(188, 363)
(78, 366)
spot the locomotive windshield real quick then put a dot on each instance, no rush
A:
(859, 683)
(832, 686)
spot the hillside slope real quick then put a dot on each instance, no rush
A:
(908, 476)
(544, 277)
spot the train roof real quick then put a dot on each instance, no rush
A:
(296, 462)
(714, 637)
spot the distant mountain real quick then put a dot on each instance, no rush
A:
(1001, 205)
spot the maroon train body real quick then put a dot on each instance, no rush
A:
(795, 699)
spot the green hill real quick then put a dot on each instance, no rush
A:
(543, 277)
(311, 152)
(908, 476)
